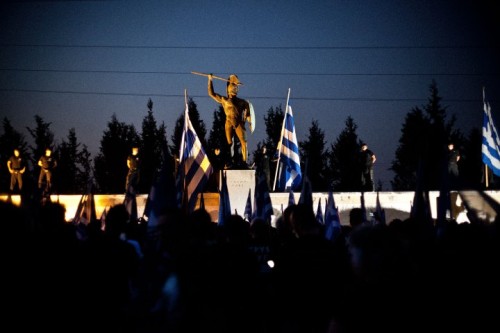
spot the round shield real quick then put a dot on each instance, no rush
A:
(252, 117)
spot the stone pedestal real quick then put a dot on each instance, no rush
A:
(239, 182)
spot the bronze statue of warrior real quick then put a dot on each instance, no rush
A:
(237, 110)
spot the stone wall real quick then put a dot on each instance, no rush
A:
(396, 204)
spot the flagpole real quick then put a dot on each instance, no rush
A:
(281, 141)
(486, 174)
(184, 200)
(181, 148)
(485, 165)
(278, 171)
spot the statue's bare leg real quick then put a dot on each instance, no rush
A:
(230, 142)
(240, 132)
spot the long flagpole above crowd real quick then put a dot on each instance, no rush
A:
(194, 166)
(184, 129)
(278, 167)
(491, 141)
(486, 180)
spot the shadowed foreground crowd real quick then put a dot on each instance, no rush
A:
(187, 274)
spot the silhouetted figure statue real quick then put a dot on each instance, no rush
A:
(133, 165)
(47, 164)
(16, 167)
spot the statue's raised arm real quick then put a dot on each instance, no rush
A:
(211, 92)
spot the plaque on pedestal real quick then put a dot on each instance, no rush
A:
(238, 184)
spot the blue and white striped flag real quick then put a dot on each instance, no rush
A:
(306, 194)
(491, 140)
(288, 149)
(86, 211)
(333, 228)
(248, 207)
(291, 197)
(163, 193)
(379, 215)
(193, 163)
(319, 213)
(224, 202)
(263, 207)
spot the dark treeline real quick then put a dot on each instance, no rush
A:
(424, 136)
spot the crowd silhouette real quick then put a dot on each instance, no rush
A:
(187, 274)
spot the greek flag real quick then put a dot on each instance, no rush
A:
(288, 150)
(248, 207)
(379, 215)
(306, 194)
(263, 207)
(86, 211)
(319, 213)
(291, 197)
(194, 163)
(163, 192)
(333, 228)
(224, 202)
(491, 141)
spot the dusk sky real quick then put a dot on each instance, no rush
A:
(76, 63)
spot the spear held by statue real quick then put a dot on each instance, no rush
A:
(215, 77)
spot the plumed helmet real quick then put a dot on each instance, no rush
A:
(233, 79)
